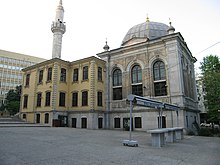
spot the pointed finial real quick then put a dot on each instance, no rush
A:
(106, 47)
(171, 29)
(170, 22)
(61, 2)
(147, 19)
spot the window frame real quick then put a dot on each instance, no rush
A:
(85, 73)
(49, 74)
(99, 99)
(75, 99)
(27, 82)
(75, 74)
(99, 73)
(47, 98)
(39, 97)
(159, 78)
(136, 74)
(25, 102)
(63, 75)
(62, 99)
(40, 76)
(84, 98)
(117, 77)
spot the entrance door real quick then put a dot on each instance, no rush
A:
(63, 120)
(83, 122)
(74, 122)
(38, 118)
(100, 120)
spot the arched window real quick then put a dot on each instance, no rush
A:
(117, 84)
(159, 74)
(136, 80)
(136, 74)
(117, 77)
(159, 71)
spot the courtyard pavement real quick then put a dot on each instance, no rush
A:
(69, 146)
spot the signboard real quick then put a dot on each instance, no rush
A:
(149, 103)
(142, 101)
(171, 107)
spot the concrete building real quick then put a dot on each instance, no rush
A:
(153, 61)
(11, 65)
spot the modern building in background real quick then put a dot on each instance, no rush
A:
(11, 65)
(153, 61)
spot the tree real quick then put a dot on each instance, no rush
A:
(13, 100)
(210, 68)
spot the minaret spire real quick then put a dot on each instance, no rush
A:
(58, 28)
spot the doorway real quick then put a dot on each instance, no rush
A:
(83, 122)
(100, 121)
(74, 122)
(38, 118)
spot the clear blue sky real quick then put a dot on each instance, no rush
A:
(25, 24)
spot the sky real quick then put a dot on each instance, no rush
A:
(25, 25)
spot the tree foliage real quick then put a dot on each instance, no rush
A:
(13, 100)
(210, 68)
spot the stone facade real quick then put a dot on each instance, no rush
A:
(179, 81)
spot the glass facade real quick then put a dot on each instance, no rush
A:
(11, 65)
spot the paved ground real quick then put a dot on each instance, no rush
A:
(63, 146)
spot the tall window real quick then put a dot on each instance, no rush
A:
(160, 88)
(62, 99)
(117, 77)
(117, 123)
(75, 75)
(136, 79)
(117, 84)
(84, 98)
(27, 80)
(40, 78)
(25, 101)
(159, 71)
(46, 118)
(74, 99)
(63, 75)
(39, 95)
(99, 100)
(49, 74)
(136, 74)
(99, 73)
(47, 101)
(137, 122)
(85, 73)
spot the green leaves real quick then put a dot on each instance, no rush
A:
(210, 68)
(13, 100)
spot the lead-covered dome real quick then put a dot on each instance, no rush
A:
(147, 30)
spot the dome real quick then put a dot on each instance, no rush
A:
(148, 29)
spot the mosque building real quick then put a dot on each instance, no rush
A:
(153, 61)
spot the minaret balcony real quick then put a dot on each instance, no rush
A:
(58, 27)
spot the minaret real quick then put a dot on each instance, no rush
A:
(58, 28)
